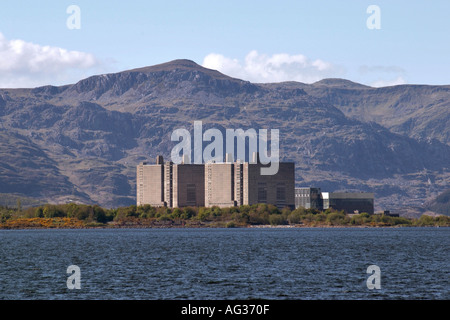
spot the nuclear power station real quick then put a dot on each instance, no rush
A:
(234, 183)
(222, 184)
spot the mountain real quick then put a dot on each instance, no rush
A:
(440, 204)
(417, 111)
(82, 142)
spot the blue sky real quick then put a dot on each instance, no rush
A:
(259, 41)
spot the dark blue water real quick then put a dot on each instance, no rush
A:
(302, 263)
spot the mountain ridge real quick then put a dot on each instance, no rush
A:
(97, 130)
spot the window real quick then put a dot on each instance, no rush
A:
(262, 193)
(281, 192)
(191, 198)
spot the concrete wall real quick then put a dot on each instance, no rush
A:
(275, 189)
(219, 184)
(188, 185)
(214, 184)
(308, 198)
(150, 179)
(238, 183)
(352, 201)
(168, 184)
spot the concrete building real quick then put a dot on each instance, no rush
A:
(168, 184)
(214, 184)
(171, 185)
(238, 183)
(235, 183)
(308, 198)
(150, 178)
(350, 202)
(219, 185)
(277, 189)
(188, 184)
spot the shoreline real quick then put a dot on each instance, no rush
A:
(221, 227)
(73, 216)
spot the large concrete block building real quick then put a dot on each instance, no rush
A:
(171, 185)
(308, 198)
(150, 179)
(277, 189)
(349, 202)
(188, 184)
(223, 184)
(220, 185)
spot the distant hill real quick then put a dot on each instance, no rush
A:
(421, 112)
(441, 204)
(82, 142)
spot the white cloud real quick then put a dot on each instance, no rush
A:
(25, 64)
(386, 83)
(383, 76)
(279, 67)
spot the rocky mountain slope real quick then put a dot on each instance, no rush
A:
(81, 142)
(417, 111)
(440, 204)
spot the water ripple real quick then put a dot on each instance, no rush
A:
(225, 263)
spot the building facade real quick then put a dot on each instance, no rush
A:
(224, 184)
(188, 184)
(150, 178)
(349, 202)
(220, 185)
(308, 198)
(277, 189)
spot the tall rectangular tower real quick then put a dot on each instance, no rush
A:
(214, 184)
(238, 183)
(188, 182)
(219, 184)
(277, 189)
(168, 184)
(150, 182)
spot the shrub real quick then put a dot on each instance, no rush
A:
(176, 213)
(258, 218)
(401, 220)
(231, 224)
(336, 218)
(276, 219)
(425, 220)
(364, 215)
(203, 214)
(99, 214)
(188, 212)
(39, 213)
(51, 211)
(294, 217)
(165, 217)
(146, 211)
(125, 212)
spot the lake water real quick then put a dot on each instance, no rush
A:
(256, 263)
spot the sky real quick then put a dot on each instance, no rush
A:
(376, 43)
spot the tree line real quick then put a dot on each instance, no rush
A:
(242, 216)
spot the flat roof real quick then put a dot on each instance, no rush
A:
(351, 195)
